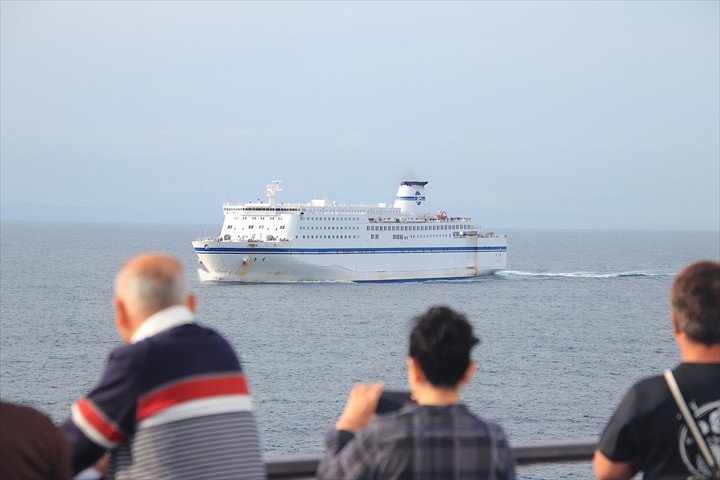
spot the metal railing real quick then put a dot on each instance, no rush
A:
(525, 454)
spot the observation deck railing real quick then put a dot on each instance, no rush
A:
(525, 454)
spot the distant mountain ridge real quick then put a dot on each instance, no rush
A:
(42, 213)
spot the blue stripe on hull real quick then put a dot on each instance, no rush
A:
(343, 251)
(419, 280)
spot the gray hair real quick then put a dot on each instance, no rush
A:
(152, 288)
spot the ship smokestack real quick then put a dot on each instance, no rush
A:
(410, 196)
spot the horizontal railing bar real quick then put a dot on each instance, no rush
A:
(525, 454)
(554, 452)
(291, 467)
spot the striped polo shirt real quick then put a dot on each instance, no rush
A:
(174, 403)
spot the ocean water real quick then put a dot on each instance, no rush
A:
(575, 319)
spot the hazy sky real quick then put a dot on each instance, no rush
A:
(524, 114)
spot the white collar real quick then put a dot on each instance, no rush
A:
(163, 320)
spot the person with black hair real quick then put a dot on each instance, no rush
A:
(436, 437)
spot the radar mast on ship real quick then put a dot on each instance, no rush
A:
(272, 189)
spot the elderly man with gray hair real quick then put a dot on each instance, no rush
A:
(173, 402)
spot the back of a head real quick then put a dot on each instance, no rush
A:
(695, 298)
(151, 282)
(441, 342)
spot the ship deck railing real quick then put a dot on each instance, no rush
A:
(539, 453)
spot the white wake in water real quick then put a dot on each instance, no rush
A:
(515, 273)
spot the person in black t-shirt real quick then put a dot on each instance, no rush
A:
(647, 432)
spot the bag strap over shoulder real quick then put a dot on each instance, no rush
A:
(691, 424)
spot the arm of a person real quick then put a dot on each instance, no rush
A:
(360, 407)
(616, 456)
(340, 462)
(101, 420)
(347, 456)
(606, 469)
(83, 451)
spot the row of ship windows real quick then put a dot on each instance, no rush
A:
(282, 227)
(329, 228)
(405, 237)
(374, 228)
(260, 227)
(376, 236)
(344, 219)
(257, 209)
(334, 219)
(415, 228)
(330, 236)
(373, 236)
(377, 228)
(350, 219)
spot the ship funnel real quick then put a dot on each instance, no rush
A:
(410, 196)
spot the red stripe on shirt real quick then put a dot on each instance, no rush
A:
(99, 422)
(185, 391)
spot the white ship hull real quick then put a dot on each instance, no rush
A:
(238, 262)
(317, 241)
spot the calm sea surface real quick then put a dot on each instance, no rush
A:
(576, 318)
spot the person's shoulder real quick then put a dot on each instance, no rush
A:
(699, 377)
(210, 335)
(193, 329)
(205, 329)
(127, 355)
(494, 428)
(385, 429)
(648, 383)
(657, 382)
(7, 408)
(697, 368)
(391, 420)
(127, 349)
(23, 414)
(645, 396)
(647, 388)
(406, 411)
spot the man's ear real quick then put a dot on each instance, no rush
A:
(676, 326)
(122, 320)
(191, 302)
(414, 372)
(469, 372)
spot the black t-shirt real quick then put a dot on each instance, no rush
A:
(647, 426)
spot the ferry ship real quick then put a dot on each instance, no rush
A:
(323, 240)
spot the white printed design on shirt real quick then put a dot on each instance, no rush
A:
(707, 418)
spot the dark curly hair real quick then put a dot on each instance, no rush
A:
(440, 342)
